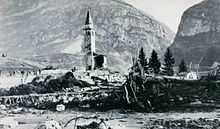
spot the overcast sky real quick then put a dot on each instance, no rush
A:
(166, 11)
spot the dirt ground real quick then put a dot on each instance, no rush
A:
(115, 118)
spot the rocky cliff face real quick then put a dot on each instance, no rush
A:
(50, 31)
(198, 35)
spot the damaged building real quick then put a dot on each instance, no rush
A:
(92, 59)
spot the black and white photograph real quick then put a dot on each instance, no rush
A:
(109, 64)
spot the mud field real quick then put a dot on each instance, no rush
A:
(115, 119)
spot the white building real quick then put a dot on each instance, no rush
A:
(192, 76)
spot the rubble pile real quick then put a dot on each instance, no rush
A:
(93, 125)
(101, 77)
(95, 99)
(70, 90)
(200, 123)
(165, 94)
(50, 124)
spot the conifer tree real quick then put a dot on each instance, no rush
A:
(142, 57)
(143, 60)
(182, 66)
(154, 62)
(169, 62)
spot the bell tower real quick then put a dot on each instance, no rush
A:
(88, 47)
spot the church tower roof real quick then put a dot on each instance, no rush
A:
(88, 18)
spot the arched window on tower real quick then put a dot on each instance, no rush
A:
(89, 33)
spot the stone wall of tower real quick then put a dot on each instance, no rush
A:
(89, 40)
(88, 47)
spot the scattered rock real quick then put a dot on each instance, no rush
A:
(140, 122)
(201, 123)
(122, 121)
(8, 123)
(60, 107)
(18, 110)
(93, 125)
(52, 124)
(3, 107)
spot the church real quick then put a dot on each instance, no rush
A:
(91, 59)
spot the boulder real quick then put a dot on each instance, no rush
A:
(60, 107)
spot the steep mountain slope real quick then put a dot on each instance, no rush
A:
(11, 64)
(50, 31)
(198, 35)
